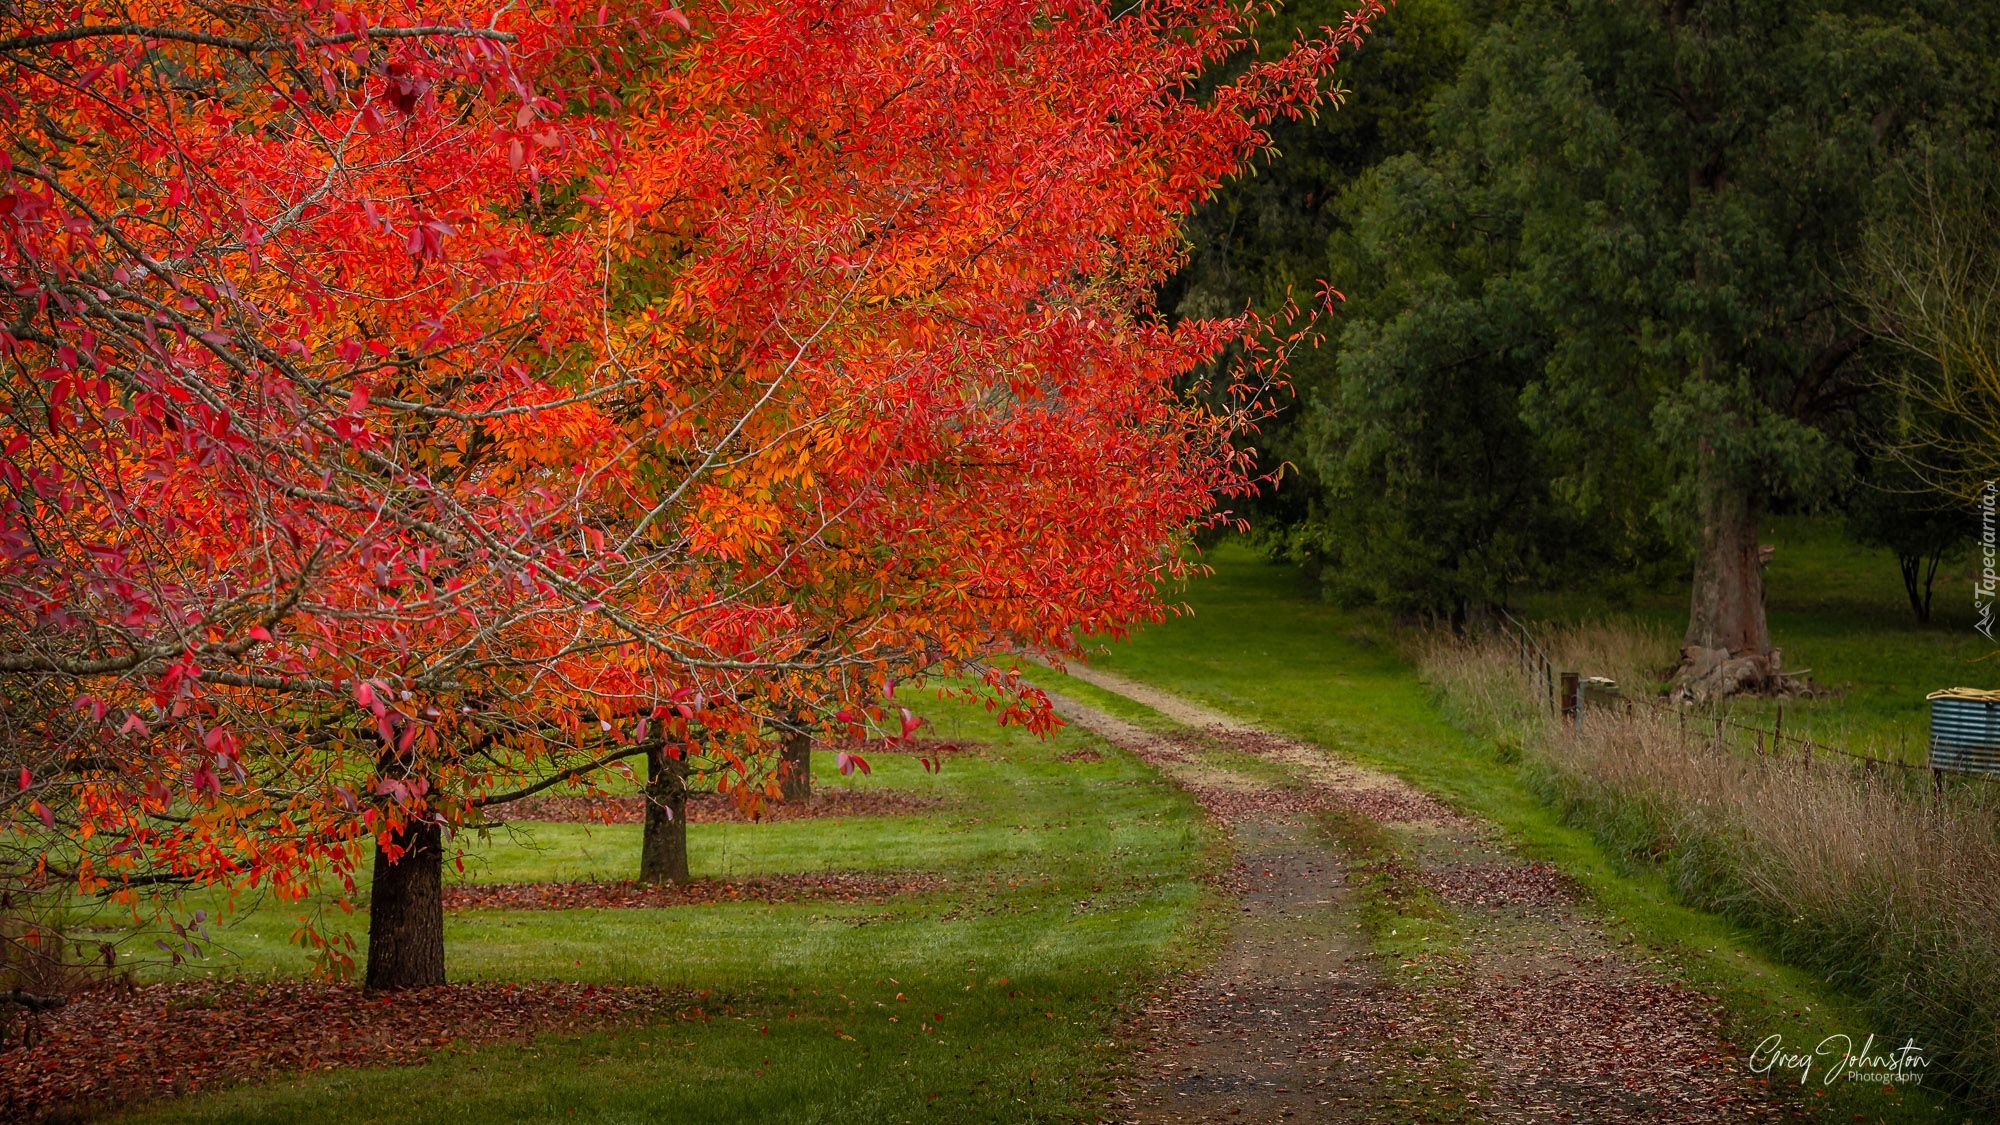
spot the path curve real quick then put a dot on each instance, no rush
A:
(1525, 1012)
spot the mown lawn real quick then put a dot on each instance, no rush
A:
(1071, 886)
(1260, 643)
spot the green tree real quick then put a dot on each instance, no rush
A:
(1660, 198)
(1894, 508)
(1265, 235)
(1436, 496)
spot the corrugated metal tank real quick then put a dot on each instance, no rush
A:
(1965, 731)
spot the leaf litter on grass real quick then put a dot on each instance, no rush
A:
(119, 1046)
(710, 808)
(1500, 884)
(816, 887)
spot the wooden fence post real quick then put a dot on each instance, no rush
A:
(1572, 698)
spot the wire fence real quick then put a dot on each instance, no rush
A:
(1570, 695)
(1534, 659)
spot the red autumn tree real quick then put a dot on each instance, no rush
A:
(229, 548)
(964, 436)
(404, 412)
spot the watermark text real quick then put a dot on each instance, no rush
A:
(1835, 1058)
(1987, 585)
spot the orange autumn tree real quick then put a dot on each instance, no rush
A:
(405, 410)
(960, 434)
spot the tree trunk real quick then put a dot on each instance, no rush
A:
(1728, 644)
(1918, 573)
(406, 912)
(795, 781)
(663, 856)
(1728, 610)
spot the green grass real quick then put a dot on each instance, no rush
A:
(1838, 609)
(1257, 641)
(1072, 885)
(756, 1066)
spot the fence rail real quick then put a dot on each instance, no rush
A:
(1534, 659)
(1570, 695)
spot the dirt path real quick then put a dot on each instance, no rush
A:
(1503, 1001)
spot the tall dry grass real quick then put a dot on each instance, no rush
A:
(1873, 881)
(1483, 686)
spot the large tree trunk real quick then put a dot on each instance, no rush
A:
(663, 855)
(1728, 644)
(406, 912)
(1728, 609)
(795, 780)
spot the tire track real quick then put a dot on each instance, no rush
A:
(1524, 1012)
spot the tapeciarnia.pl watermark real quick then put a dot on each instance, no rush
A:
(1836, 1058)
(1988, 583)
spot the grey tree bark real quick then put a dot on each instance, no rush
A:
(795, 766)
(1727, 648)
(663, 851)
(406, 912)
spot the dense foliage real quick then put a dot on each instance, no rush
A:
(1608, 299)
